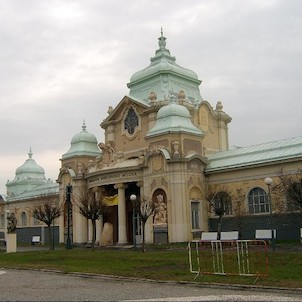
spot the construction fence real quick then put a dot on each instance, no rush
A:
(228, 257)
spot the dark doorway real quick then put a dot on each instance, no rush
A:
(111, 216)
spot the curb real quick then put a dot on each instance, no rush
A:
(296, 291)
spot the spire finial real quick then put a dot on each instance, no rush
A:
(162, 40)
(84, 125)
(30, 154)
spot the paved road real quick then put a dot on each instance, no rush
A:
(29, 285)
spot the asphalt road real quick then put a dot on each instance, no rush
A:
(30, 285)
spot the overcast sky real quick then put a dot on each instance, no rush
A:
(65, 61)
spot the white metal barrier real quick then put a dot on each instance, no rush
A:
(265, 234)
(228, 257)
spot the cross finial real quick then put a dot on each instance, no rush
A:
(30, 154)
(84, 125)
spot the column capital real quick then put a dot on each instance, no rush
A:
(120, 186)
(140, 183)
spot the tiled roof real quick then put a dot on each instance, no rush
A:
(256, 154)
(40, 190)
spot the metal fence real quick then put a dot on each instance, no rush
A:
(228, 257)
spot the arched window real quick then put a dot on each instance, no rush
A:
(258, 201)
(23, 219)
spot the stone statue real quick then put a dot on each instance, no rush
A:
(11, 223)
(160, 210)
(108, 153)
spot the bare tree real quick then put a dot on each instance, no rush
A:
(220, 203)
(92, 207)
(291, 185)
(47, 211)
(146, 209)
(239, 209)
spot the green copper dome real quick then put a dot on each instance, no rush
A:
(164, 77)
(30, 169)
(83, 144)
(173, 110)
(28, 176)
(173, 118)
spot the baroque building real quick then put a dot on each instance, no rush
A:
(28, 188)
(164, 143)
(156, 142)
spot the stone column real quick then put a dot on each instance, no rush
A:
(140, 184)
(122, 233)
(80, 234)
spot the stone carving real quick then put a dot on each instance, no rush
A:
(181, 95)
(80, 169)
(110, 109)
(176, 149)
(119, 156)
(108, 154)
(107, 235)
(11, 223)
(160, 210)
(152, 96)
(155, 150)
(157, 162)
(219, 106)
(90, 163)
(195, 194)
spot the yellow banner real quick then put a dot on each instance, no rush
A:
(110, 200)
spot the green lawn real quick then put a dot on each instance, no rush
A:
(157, 263)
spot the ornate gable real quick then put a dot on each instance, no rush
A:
(116, 114)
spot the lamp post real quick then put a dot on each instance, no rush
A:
(53, 229)
(133, 200)
(268, 181)
(68, 193)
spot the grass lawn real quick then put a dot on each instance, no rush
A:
(157, 264)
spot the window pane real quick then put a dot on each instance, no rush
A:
(258, 202)
(23, 219)
(195, 215)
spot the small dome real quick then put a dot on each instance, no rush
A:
(173, 110)
(28, 176)
(173, 118)
(30, 169)
(83, 143)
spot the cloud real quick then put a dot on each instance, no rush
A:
(65, 61)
